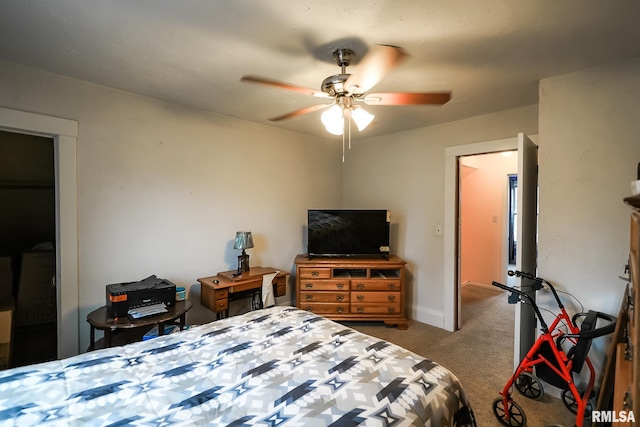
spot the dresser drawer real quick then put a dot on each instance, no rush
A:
(246, 285)
(280, 290)
(373, 308)
(366, 297)
(324, 285)
(280, 286)
(315, 273)
(221, 294)
(215, 300)
(375, 285)
(306, 297)
(221, 305)
(324, 307)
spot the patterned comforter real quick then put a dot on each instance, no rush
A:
(272, 367)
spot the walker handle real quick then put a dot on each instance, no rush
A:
(538, 280)
(538, 283)
(543, 324)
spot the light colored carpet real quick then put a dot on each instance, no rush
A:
(480, 354)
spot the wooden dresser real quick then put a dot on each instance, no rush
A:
(627, 387)
(353, 288)
(620, 388)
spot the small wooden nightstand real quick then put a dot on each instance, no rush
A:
(100, 319)
(216, 291)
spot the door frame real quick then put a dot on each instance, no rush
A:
(64, 133)
(451, 290)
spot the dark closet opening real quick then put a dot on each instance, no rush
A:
(27, 247)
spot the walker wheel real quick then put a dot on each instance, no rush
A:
(514, 418)
(572, 405)
(529, 386)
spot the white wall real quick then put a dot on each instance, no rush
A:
(589, 149)
(162, 189)
(404, 172)
(588, 159)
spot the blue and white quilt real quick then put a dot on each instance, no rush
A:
(275, 367)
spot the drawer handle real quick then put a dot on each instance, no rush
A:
(392, 285)
(391, 309)
(309, 308)
(392, 297)
(340, 297)
(309, 297)
(308, 285)
(339, 285)
(360, 286)
(340, 309)
(315, 273)
(360, 297)
(360, 309)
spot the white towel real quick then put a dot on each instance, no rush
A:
(267, 290)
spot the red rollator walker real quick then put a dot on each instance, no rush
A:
(548, 360)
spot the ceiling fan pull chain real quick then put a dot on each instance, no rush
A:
(349, 120)
(343, 137)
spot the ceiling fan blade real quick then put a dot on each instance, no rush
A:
(374, 66)
(286, 86)
(405, 98)
(301, 111)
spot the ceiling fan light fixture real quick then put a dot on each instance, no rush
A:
(335, 129)
(333, 120)
(362, 118)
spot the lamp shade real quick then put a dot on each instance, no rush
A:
(362, 118)
(333, 120)
(243, 240)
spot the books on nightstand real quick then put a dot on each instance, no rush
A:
(168, 329)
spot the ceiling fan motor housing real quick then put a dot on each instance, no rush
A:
(334, 85)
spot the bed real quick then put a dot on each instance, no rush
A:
(271, 367)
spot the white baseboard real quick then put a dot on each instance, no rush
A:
(427, 315)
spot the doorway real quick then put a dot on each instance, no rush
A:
(484, 218)
(64, 134)
(27, 224)
(526, 229)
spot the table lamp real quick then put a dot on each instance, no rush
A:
(243, 241)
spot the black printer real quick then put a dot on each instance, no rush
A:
(121, 297)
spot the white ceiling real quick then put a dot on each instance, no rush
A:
(490, 54)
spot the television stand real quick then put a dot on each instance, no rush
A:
(363, 289)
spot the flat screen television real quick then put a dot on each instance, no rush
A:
(348, 233)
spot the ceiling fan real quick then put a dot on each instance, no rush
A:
(349, 90)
